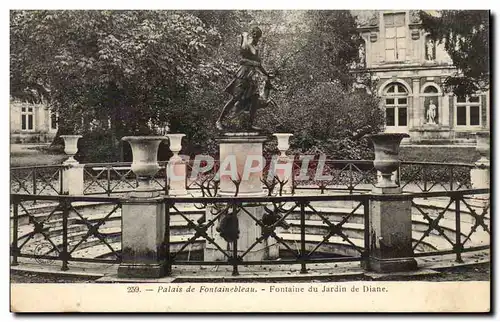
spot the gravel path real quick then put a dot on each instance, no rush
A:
(480, 272)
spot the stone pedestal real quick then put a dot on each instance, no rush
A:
(72, 178)
(390, 225)
(241, 160)
(480, 175)
(431, 133)
(143, 215)
(480, 179)
(176, 176)
(284, 172)
(390, 235)
(240, 156)
(143, 228)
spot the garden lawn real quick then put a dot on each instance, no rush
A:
(28, 155)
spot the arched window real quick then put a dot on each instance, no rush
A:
(396, 105)
(431, 104)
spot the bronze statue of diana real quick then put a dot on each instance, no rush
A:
(244, 88)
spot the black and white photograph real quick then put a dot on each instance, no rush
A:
(305, 160)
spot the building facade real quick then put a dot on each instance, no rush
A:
(409, 69)
(31, 123)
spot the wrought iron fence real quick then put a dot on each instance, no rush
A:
(63, 231)
(343, 175)
(431, 176)
(204, 181)
(337, 175)
(272, 223)
(37, 180)
(470, 208)
(108, 178)
(304, 227)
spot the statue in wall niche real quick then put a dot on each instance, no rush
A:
(373, 20)
(430, 49)
(244, 88)
(362, 54)
(431, 112)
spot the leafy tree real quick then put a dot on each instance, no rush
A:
(316, 97)
(114, 73)
(465, 34)
(122, 72)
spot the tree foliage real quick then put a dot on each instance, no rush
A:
(316, 98)
(465, 34)
(114, 73)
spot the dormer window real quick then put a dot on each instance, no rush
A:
(395, 37)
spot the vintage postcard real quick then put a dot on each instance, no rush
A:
(250, 161)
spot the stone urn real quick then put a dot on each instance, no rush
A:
(71, 147)
(386, 147)
(175, 141)
(283, 142)
(176, 168)
(144, 160)
(483, 146)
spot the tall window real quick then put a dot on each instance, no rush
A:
(468, 111)
(396, 105)
(27, 116)
(395, 37)
(53, 121)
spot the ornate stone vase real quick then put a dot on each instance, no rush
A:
(386, 146)
(175, 141)
(283, 142)
(483, 146)
(71, 146)
(176, 168)
(144, 158)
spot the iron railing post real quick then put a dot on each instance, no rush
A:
(33, 181)
(451, 178)
(235, 247)
(235, 258)
(166, 240)
(61, 181)
(64, 255)
(166, 179)
(424, 177)
(458, 237)
(303, 269)
(366, 224)
(398, 175)
(351, 179)
(15, 224)
(108, 168)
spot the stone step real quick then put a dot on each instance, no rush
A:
(335, 244)
(111, 235)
